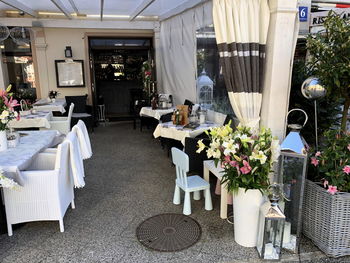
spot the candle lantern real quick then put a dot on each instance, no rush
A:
(205, 90)
(271, 227)
(292, 169)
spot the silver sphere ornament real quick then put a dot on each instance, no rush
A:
(313, 89)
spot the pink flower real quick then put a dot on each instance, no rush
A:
(227, 158)
(325, 183)
(332, 189)
(246, 167)
(233, 163)
(10, 103)
(318, 154)
(314, 161)
(348, 147)
(346, 169)
(148, 73)
(3, 93)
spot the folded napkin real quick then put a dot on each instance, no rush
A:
(75, 160)
(84, 140)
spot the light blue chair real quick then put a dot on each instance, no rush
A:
(188, 184)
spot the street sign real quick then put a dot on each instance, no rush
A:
(303, 13)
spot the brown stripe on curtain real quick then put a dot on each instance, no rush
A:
(243, 66)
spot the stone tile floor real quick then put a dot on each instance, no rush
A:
(129, 179)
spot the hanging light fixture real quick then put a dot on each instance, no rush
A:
(20, 35)
(4, 32)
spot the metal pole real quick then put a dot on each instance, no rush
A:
(316, 138)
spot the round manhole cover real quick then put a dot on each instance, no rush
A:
(169, 232)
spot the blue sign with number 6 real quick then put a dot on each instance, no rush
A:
(303, 13)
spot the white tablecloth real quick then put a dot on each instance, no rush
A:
(39, 120)
(171, 131)
(45, 105)
(148, 112)
(19, 158)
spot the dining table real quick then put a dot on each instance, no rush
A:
(180, 132)
(47, 104)
(154, 113)
(38, 119)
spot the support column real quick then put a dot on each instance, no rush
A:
(42, 74)
(157, 57)
(279, 62)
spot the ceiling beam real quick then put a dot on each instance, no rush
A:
(181, 8)
(19, 6)
(74, 6)
(140, 8)
(61, 7)
(101, 11)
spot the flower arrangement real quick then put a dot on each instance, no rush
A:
(7, 182)
(7, 104)
(247, 158)
(333, 161)
(53, 94)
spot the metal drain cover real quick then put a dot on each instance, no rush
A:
(169, 232)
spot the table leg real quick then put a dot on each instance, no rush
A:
(206, 173)
(223, 201)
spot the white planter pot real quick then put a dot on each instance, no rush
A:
(246, 207)
(3, 141)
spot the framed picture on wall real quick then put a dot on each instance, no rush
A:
(70, 73)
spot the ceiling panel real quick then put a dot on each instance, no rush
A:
(111, 7)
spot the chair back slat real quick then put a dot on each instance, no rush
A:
(70, 112)
(62, 157)
(180, 159)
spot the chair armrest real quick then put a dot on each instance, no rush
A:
(50, 150)
(58, 122)
(43, 161)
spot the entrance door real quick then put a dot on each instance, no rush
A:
(117, 73)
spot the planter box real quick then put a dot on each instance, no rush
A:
(326, 220)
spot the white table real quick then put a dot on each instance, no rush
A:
(39, 120)
(157, 113)
(19, 158)
(209, 166)
(46, 105)
(176, 132)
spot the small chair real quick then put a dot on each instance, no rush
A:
(62, 124)
(81, 111)
(188, 183)
(46, 192)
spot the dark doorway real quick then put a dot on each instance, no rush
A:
(117, 73)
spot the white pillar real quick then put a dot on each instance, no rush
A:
(157, 57)
(279, 62)
(41, 60)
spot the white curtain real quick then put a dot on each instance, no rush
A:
(241, 28)
(178, 48)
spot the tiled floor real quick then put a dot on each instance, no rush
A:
(129, 179)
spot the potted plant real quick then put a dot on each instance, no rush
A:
(326, 211)
(53, 95)
(247, 160)
(329, 52)
(7, 113)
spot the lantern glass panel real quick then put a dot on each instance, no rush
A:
(292, 172)
(270, 235)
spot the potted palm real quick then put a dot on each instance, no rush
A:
(247, 160)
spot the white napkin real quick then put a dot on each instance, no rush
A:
(76, 161)
(84, 140)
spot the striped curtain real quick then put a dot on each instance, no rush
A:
(241, 28)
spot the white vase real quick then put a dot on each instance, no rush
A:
(3, 141)
(246, 205)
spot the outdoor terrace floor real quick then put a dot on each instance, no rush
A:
(128, 179)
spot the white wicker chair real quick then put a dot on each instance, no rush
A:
(62, 124)
(46, 192)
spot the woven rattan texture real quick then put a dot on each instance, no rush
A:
(168, 232)
(326, 220)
